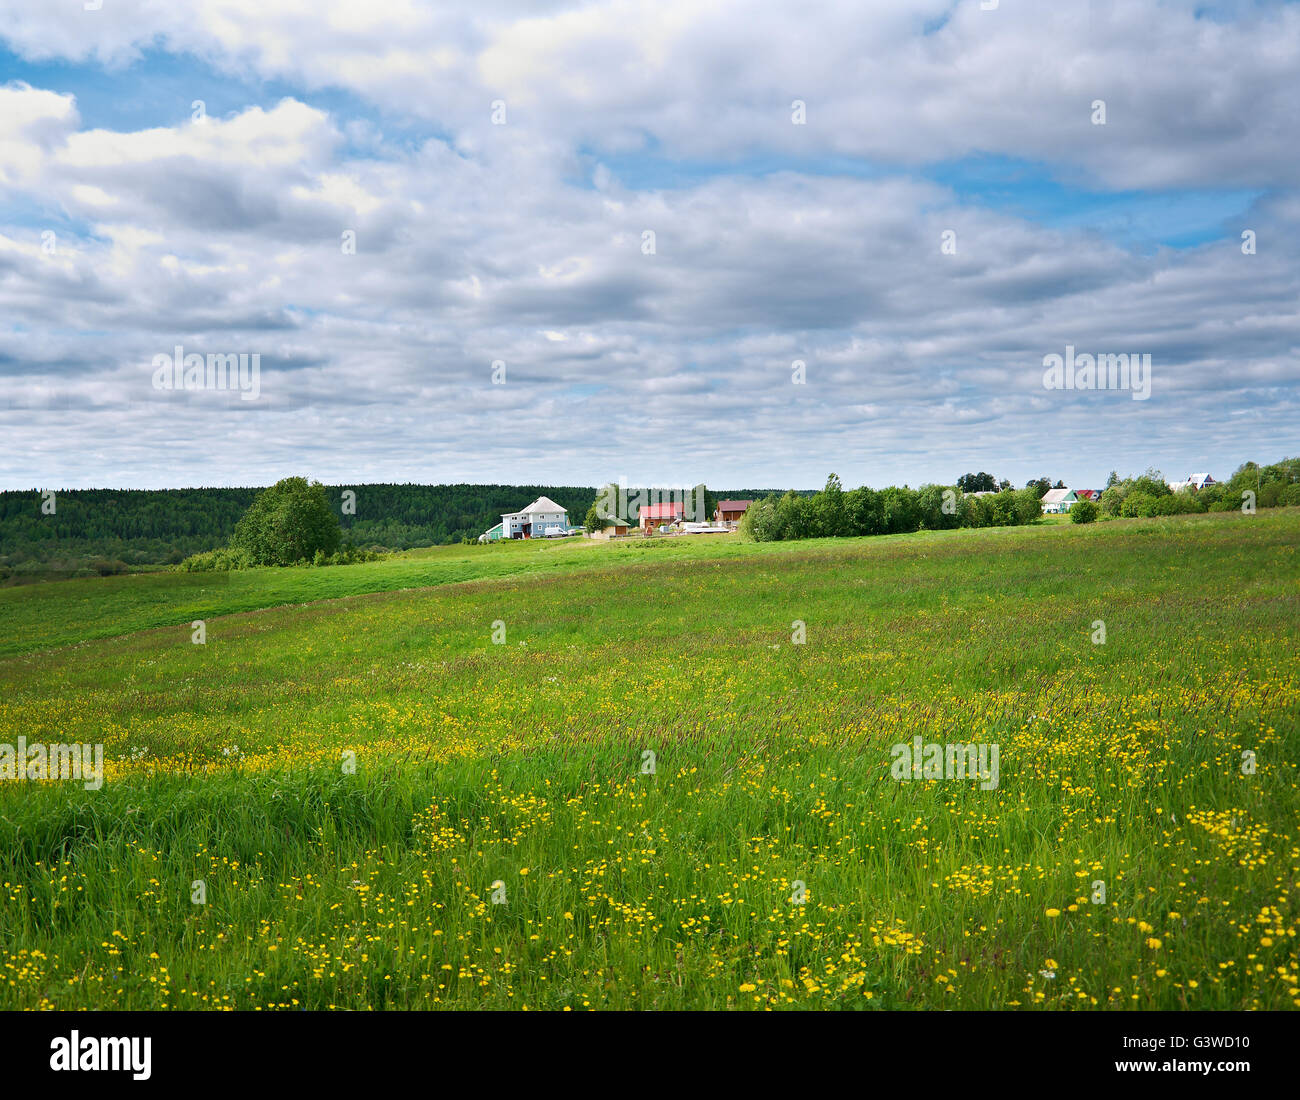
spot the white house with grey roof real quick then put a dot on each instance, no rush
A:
(541, 519)
(1056, 501)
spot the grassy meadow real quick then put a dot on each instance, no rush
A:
(507, 840)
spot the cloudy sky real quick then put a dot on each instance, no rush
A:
(645, 212)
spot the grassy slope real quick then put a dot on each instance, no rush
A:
(34, 617)
(40, 616)
(520, 763)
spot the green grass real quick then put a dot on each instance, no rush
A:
(521, 763)
(102, 607)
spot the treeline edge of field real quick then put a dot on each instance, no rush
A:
(107, 531)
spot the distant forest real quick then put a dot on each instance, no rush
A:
(116, 530)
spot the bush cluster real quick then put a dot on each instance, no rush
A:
(1273, 486)
(834, 513)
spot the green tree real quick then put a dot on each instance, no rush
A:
(793, 516)
(977, 483)
(288, 523)
(826, 517)
(863, 511)
(1152, 484)
(976, 511)
(900, 509)
(930, 506)
(1026, 506)
(1112, 499)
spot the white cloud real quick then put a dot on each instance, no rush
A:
(1190, 98)
(495, 245)
(31, 122)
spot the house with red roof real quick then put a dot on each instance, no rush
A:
(652, 515)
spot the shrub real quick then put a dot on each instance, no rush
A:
(1269, 494)
(1165, 506)
(215, 561)
(1085, 511)
(1211, 495)
(1138, 504)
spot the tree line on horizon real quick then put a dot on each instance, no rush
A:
(1272, 486)
(107, 531)
(836, 513)
(103, 531)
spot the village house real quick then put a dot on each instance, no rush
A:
(1056, 501)
(1195, 483)
(541, 519)
(729, 511)
(652, 515)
